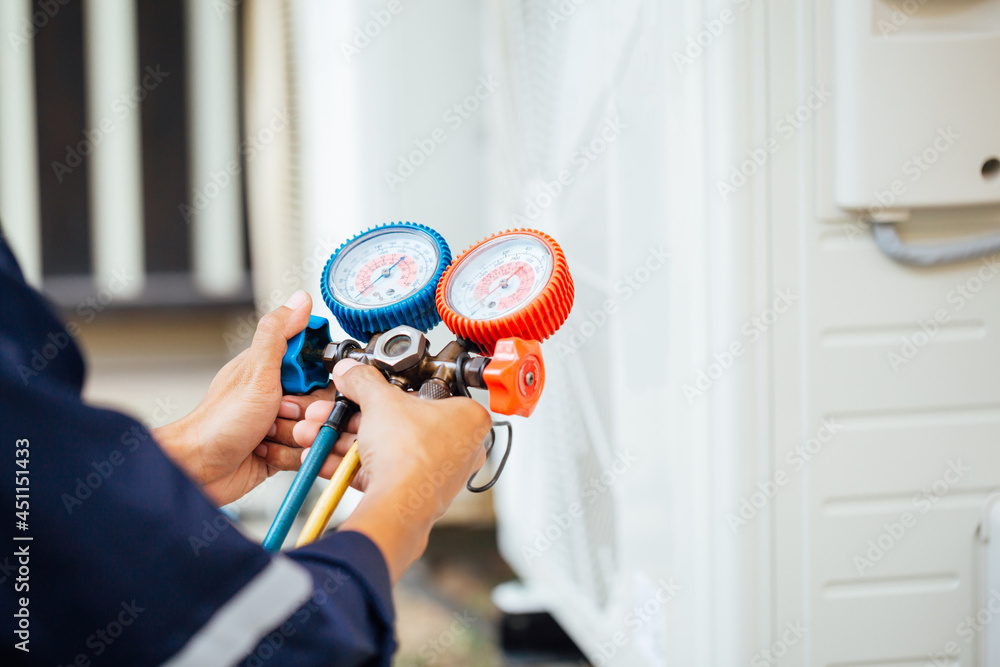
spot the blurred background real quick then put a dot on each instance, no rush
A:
(748, 395)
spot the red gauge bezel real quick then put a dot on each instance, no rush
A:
(538, 319)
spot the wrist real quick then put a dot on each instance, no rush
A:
(400, 533)
(177, 439)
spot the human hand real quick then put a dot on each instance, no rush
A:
(241, 431)
(416, 456)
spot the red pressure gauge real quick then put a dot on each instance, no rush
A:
(515, 283)
(506, 294)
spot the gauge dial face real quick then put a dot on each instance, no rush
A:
(499, 277)
(383, 267)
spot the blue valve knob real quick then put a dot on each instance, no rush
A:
(302, 366)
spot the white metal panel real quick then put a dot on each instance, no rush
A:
(879, 567)
(914, 104)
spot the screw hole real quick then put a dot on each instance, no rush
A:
(991, 169)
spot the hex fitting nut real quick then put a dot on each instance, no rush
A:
(399, 349)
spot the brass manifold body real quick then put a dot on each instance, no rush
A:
(402, 355)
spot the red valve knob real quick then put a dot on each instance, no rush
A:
(515, 376)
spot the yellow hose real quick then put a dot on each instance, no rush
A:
(332, 494)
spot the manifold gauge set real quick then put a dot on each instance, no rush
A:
(390, 285)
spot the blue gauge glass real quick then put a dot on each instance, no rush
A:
(386, 277)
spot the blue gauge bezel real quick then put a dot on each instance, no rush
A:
(417, 310)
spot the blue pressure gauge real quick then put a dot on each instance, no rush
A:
(386, 277)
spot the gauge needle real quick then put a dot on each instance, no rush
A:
(501, 284)
(383, 274)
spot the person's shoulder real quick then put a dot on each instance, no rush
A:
(36, 349)
(8, 263)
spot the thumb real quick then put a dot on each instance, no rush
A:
(275, 328)
(361, 383)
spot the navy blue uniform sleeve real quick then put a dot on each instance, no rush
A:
(118, 559)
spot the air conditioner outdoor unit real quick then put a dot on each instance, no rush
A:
(776, 448)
